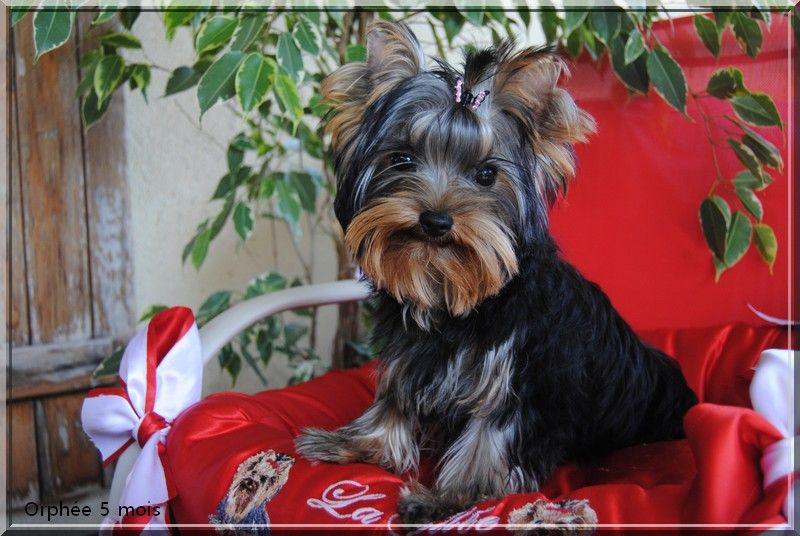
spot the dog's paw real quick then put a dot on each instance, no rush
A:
(419, 505)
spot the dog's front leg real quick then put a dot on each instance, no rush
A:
(476, 467)
(381, 436)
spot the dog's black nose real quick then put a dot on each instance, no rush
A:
(435, 224)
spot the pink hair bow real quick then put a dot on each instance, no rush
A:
(160, 375)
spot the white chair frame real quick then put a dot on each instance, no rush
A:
(227, 325)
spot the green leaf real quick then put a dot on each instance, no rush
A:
(746, 179)
(243, 220)
(714, 220)
(244, 342)
(496, 13)
(474, 16)
(110, 365)
(121, 40)
(634, 47)
(107, 76)
(292, 333)
(230, 361)
(751, 202)
(17, 14)
(667, 78)
(219, 81)
(92, 110)
(453, 22)
(305, 36)
(175, 17)
(105, 15)
(725, 83)
(306, 189)
(264, 346)
(550, 22)
(709, 34)
(89, 63)
(766, 244)
(747, 32)
(606, 23)
(200, 248)
(254, 80)
(288, 205)
(573, 19)
(740, 234)
(139, 77)
(128, 16)
(745, 156)
(355, 52)
(633, 75)
(152, 311)
(317, 107)
(289, 56)
(181, 79)
(286, 92)
(248, 30)
(524, 15)
(722, 18)
(575, 42)
(234, 157)
(594, 47)
(757, 109)
(221, 218)
(263, 284)
(215, 32)
(214, 305)
(230, 181)
(51, 28)
(761, 11)
(766, 152)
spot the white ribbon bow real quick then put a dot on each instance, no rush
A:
(142, 410)
(771, 393)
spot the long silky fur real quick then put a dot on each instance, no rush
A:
(511, 362)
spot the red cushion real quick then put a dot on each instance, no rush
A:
(654, 483)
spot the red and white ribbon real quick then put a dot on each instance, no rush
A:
(161, 374)
(772, 395)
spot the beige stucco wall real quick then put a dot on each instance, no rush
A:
(173, 165)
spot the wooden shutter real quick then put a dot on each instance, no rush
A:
(70, 274)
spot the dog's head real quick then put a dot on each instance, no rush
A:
(444, 174)
(256, 481)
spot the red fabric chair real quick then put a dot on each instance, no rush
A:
(712, 477)
(629, 223)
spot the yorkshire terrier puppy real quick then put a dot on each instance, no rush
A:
(498, 357)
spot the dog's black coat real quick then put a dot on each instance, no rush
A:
(586, 382)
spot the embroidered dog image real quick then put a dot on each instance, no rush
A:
(257, 480)
(497, 356)
(576, 513)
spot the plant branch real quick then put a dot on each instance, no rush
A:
(707, 122)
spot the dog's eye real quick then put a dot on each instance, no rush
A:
(486, 175)
(403, 162)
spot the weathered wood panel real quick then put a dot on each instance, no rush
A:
(20, 330)
(53, 198)
(23, 474)
(108, 215)
(49, 369)
(69, 460)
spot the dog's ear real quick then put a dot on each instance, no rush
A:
(393, 55)
(526, 88)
